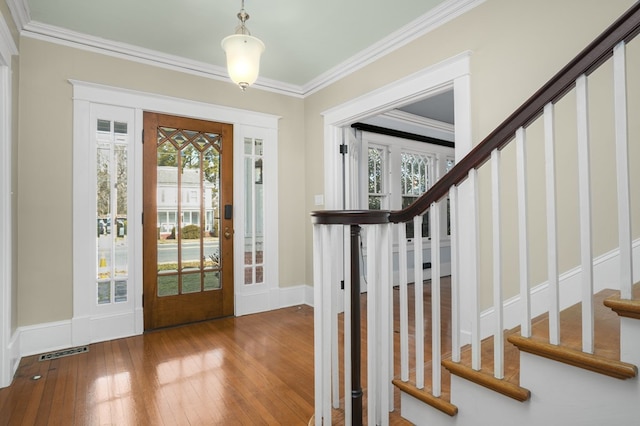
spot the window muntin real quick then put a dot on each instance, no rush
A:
(188, 182)
(408, 169)
(112, 181)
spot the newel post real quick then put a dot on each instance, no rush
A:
(356, 386)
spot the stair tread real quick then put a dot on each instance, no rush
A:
(442, 403)
(577, 358)
(625, 307)
(606, 327)
(606, 342)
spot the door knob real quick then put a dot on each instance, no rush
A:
(227, 233)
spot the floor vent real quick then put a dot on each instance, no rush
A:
(65, 352)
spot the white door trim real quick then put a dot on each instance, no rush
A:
(86, 328)
(450, 73)
(7, 50)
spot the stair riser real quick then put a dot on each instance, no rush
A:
(560, 394)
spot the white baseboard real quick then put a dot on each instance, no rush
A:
(605, 269)
(14, 354)
(267, 300)
(39, 338)
(47, 337)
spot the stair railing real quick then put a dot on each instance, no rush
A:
(330, 228)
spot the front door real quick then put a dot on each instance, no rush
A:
(188, 220)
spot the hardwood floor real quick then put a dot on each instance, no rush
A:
(250, 370)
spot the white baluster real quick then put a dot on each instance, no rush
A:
(584, 191)
(385, 315)
(552, 226)
(317, 320)
(622, 175)
(419, 302)
(335, 305)
(348, 406)
(436, 344)
(476, 361)
(455, 288)
(498, 338)
(404, 301)
(523, 240)
(373, 286)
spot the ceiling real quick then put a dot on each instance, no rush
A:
(303, 38)
(306, 41)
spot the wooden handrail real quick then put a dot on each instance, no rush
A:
(601, 49)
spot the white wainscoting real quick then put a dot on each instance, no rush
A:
(605, 271)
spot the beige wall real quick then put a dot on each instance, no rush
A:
(516, 46)
(45, 163)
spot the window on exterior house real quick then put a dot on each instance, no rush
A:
(377, 160)
(399, 171)
(415, 179)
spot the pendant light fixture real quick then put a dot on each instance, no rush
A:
(243, 53)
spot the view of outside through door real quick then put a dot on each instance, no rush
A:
(188, 213)
(254, 214)
(111, 212)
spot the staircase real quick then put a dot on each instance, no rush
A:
(572, 345)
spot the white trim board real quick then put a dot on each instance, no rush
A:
(440, 15)
(92, 325)
(47, 337)
(7, 50)
(605, 267)
(453, 73)
(450, 73)
(276, 298)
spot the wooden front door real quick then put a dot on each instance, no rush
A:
(188, 220)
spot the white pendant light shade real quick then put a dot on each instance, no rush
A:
(243, 58)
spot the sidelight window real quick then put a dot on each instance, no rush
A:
(254, 211)
(112, 181)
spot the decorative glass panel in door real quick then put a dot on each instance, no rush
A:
(188, 244)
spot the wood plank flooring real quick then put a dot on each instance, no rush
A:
(250, 370)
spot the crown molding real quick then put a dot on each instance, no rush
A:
(437, 17)
(440, 15)
(53, 34)
(19, 12)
